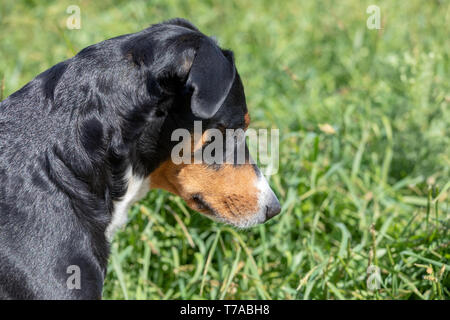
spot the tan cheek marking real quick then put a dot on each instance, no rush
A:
(230, 191)
(200, 142)
(164, 177)
(247, 120)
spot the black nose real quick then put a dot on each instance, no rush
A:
(273, 208)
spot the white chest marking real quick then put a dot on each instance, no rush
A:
(137, 189)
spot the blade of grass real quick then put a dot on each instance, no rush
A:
(208, 260)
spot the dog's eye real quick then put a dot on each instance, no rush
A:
(199, 202)
(158, 113)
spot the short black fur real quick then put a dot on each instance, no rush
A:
(68, 137)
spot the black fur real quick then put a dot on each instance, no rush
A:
(69, 135)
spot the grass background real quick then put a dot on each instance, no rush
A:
(364, 156)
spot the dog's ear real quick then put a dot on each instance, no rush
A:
(210, 79)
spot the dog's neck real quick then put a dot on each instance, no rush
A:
(137, 188)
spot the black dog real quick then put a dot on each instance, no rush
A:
(84, 139)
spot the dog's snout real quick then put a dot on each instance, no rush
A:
(273, 208)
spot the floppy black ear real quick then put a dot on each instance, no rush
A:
(210, 78)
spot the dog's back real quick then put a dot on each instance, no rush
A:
(55, 203)
(37, 242)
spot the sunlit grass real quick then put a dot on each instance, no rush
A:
(364, 153)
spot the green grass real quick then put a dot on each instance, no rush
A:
(372, 187)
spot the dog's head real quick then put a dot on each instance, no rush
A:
(171, 76)
(226, 185)
(205, 86)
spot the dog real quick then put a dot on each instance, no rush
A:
(85, 139)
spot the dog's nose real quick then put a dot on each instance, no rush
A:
(273, 208)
